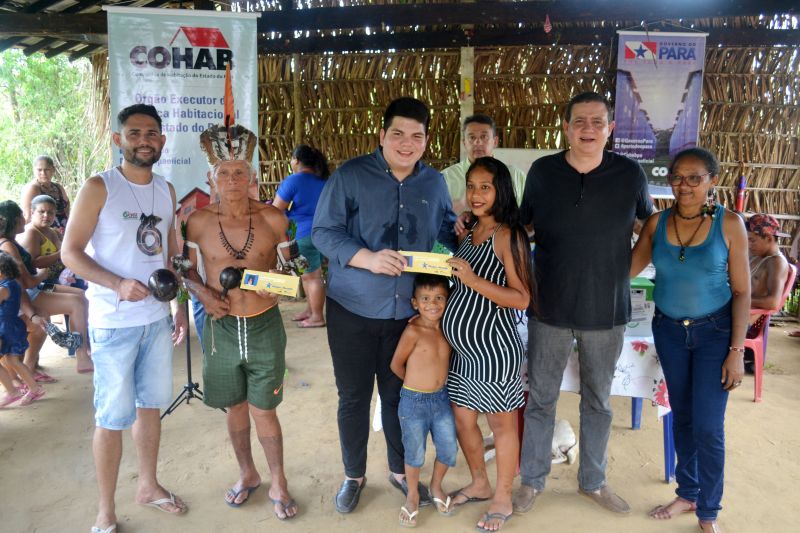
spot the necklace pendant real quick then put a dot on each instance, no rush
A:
(682, 255)
(239, 255)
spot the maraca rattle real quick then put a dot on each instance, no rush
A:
(163, 284)
(229, 278)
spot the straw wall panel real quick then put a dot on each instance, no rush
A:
(341, 100)
(526, 88)
(750, 114)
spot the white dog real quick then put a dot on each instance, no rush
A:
(565, 445)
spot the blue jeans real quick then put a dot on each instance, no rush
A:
(691, 354)
(423, 412)
(549, 348)
(132, 369)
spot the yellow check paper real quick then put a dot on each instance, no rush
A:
(253, 280)
(427, 263)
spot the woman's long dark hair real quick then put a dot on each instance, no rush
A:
(10, 213)
(312, 158)
(506, 211)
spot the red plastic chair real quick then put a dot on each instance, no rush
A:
(759, 343)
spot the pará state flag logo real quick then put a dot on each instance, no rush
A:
(640, 49)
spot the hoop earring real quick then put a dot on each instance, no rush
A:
(710, 206)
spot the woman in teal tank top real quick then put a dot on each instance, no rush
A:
(702, 299)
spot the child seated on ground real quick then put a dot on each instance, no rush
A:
(421, 360)
(14, 335)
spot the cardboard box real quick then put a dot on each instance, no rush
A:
(643, 284)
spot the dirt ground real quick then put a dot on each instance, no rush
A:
(47, 475)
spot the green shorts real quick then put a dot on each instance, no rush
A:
(244, 360)
(308, 251)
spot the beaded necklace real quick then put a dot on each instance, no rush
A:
(248, 243)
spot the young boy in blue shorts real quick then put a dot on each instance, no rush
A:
(421, 360)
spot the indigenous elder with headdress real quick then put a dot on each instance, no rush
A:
(582, 204)
(243, 337)
(42, 183)
(126, 213)
(371, 207)
(702, 298)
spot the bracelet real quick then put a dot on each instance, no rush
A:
(735, 349)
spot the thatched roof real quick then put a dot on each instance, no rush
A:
(78, 27)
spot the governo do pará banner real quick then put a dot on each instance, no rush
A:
(659, 85)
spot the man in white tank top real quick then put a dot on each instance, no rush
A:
(126, 214)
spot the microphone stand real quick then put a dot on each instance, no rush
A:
(192, 389)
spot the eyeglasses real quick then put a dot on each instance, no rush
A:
(483, 139)
(691, 181)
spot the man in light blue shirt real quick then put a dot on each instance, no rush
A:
(371, 207)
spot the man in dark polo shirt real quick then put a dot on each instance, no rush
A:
(371, 207)
(582, 204)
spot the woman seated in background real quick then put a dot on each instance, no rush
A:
(46, 300)
(41, 240)
(702, 297)
(42, 183)
(299, 192)
(44, 244)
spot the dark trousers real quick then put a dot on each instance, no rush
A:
(362, 349)
(691, 354)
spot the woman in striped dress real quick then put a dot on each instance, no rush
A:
(492, 277)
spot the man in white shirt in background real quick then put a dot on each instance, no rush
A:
(479, 137)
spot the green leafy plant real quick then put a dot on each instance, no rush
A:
(45, 108)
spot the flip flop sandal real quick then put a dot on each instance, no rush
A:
(284, 506)
(715, 528)
(410, 518)
(448, 510)
(42, 377)
(469, 499)
(424, 494)
(493, 516)
(157, 504)
(235, 494)
(31, 396)
(11, 398)
(662, 509)
(110, 529)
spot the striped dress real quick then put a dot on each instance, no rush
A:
(487, 352)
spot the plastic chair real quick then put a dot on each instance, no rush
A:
(759, 343)
(669, 442)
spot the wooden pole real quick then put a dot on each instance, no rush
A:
(467, 91)
(297, 104)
